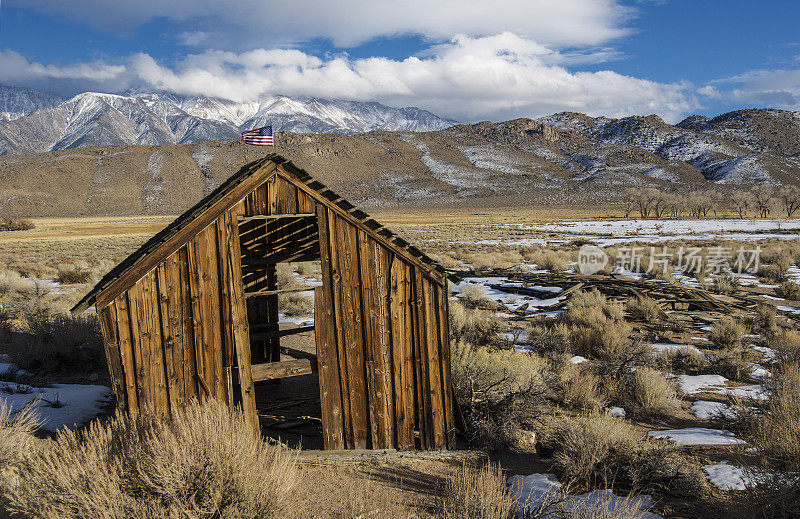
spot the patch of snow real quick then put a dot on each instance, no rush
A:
(768, 354)
(705, 409)
(691, 384)
(81, 403)
(577, 359)
(616, 412)
(725, 476)
(754, 391)
(697, 436)
(299, 321)
(534, 492)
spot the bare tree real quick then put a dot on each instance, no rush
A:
(742, 201)
(763, 199)
(629, 201)
(790, 198)
(699, 204)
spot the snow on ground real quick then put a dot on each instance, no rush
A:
(768, 354)
(690, 384)
(80, 402)
(606, 233)
(299, 321)
(754, 391)
(697, 436)
(725, 476)
(705, 409)
(616, 412)
(577, 359)
(534, 492)
(759, 372)
(661, 347)
(510, 301)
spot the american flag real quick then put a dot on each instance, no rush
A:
(258, 136)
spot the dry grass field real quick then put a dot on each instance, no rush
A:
(577, 388)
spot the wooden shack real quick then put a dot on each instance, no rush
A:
(193, 313)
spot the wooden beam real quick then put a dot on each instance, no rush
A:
(298, 354)
(276, 292)
(273, 370)
(275, 216)
(281, 333)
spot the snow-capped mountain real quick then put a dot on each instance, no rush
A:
(37, 122)
(16, 102)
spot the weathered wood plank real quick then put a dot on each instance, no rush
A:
(239, 325)
(274, 334)
(200, 337)
(425, 420)
(334, 250)
(108, 326)
(126, 351)
(166, 301)
(434, 364)
(353, 332)
(327, 353)
(443, 325)
(153, 321)
(402, 354)
(375, 398)
(283, 369)
(187, 327)
(141, 354)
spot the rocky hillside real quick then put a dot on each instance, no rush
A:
(565, 158)
(34, 122)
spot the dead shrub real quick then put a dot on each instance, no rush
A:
(725, 284)
(295, 304)
(586, 448)
(646, 392)
(599, 451)
(73, 275)
(16, 224)
(580, 388)
(682, 360)
(789, 290)
(479, 493)
(286, 278)
(786, 343)
(727, 333)
(772, 273)
(732, 363)
(777, 433)
(643, 308)
(16, 433)
(498, 392)
(60, 343)
(204, 462)
(549, 338)
(548, 260)
(474, 296)
(475, 327)
(596, 326)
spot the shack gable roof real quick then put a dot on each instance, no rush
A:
(164, 242)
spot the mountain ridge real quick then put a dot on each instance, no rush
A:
(138, 117)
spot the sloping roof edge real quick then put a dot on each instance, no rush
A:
(209, 200)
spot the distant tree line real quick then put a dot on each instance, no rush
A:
(758, 201)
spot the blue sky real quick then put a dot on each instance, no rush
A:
(465, 60)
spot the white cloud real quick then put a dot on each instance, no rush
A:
(244, 24)
(772, 88)
(495, 77)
